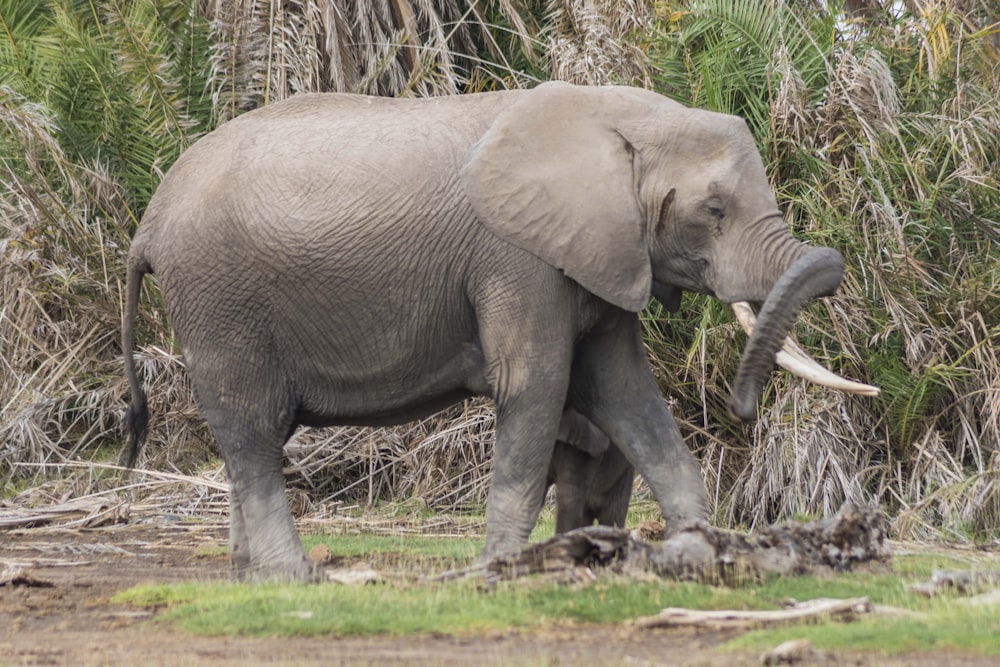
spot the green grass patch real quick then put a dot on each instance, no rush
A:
(415, 547)
(410, 557)
(394, 609)
(886, 589)
(405, 603)
(943, 624)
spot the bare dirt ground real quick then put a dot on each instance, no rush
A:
(58, 612)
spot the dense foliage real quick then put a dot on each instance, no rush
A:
(881, 132)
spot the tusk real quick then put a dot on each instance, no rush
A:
(797, 362)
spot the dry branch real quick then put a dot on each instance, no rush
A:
(960, 582)
(89, 512)
(845, 609)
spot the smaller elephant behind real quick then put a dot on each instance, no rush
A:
(593, 478)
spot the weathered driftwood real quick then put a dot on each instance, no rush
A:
(988, 599)
(700, 552)
(12, 574)
(789, 653)
(842, 609)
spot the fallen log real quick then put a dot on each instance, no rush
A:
(699, 552)
(855, 535)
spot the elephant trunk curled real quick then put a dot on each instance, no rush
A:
(816, 273)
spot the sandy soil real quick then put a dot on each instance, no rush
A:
(58, 612)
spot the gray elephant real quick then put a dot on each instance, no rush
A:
(593, 479)
(341, 259)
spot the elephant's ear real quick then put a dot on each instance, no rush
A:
(554, 176)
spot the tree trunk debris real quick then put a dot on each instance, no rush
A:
(699, 552)
(14, 574)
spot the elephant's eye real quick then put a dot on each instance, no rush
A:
(716, 212)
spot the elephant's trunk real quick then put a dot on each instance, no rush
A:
(817, 273)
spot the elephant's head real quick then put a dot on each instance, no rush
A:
(627, 192)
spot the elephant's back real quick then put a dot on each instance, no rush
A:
(321, 164)
(320, 127)
(322, 204)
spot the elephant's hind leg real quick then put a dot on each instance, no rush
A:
(263, 542)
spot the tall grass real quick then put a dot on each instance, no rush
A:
(881, 133)
(96, 101)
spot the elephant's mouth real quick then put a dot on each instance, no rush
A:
(668, 296)
(797, 362)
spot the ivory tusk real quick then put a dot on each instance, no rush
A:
(797, 362)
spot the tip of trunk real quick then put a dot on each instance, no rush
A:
(815, 274)
(742, 408)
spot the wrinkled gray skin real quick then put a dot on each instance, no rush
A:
(593, 478)
(338, 259)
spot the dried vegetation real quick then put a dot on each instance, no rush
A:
(881, 129)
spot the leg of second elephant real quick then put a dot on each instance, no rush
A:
(617, 476)
(570, 471)
(613, 386)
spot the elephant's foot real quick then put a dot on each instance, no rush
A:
(298, 570)
(676, 522)
(500, 548)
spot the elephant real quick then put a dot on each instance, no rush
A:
(593, 478)
(339, 259)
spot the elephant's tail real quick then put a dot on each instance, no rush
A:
(137, 417)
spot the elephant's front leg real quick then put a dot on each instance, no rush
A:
(614, 387)
(527, 365)
(526, 432)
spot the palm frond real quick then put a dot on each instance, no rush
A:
(590, 42)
